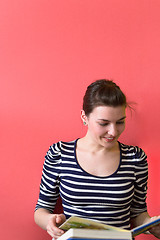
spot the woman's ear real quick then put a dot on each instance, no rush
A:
(84, 117)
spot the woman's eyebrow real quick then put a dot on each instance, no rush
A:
(105, 120)
(122, 118)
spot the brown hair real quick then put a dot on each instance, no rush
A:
(103, 92)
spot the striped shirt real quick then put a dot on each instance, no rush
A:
(113, 199)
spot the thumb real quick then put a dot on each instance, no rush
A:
(60, 218)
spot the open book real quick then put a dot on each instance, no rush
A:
(82, 228)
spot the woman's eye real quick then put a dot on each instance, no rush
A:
(122, 122)
(103, 124)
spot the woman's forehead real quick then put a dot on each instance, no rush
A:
(107, 112)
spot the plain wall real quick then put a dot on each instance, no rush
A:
(49, 52)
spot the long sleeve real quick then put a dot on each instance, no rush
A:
(49, 187)
(140, 186)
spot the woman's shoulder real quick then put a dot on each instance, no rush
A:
(57, 147)
(134, 151)
(56, 150)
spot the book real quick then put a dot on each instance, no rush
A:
(83, 228)
(144, 227)
(95, 234)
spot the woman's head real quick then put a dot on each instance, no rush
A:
(103, 93)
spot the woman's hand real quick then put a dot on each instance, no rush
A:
(145, 218)
(156, 229)
(49, 222)
(54, 222)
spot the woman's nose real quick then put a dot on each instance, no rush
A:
(112, 130)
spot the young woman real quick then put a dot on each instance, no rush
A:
(96, 176)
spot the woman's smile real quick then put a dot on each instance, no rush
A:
(109, 139)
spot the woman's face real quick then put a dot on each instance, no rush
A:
(105, 125)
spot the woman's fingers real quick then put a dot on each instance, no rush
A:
(52, 228)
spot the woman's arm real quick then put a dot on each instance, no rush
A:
(49, 193)
(49, 222)
(140, 219)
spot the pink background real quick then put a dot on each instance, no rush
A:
(49, 52)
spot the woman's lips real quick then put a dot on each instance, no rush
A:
(109, 139)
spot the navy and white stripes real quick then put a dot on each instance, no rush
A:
(113, 199)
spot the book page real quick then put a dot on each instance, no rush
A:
(78, 222)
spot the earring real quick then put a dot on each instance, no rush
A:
(84, 123)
